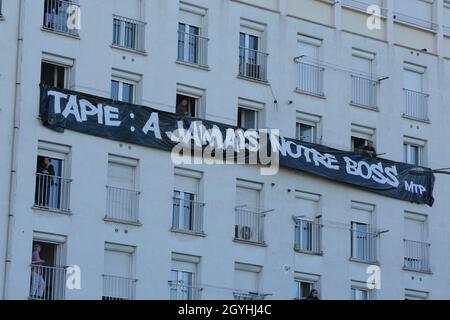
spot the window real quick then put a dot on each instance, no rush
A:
(192, 45)
(310, 69)
(53, 75)
(306, 132)
(122, 196)
(362, 242)
(358, 144)
(307, 236)
(52, 189)
(359, 294)
(186, 106)
(252, 60)
(361, 136)
(304, 283)
(184, 277)
(187, 212)
(247, 282)
(249, 217)
(364, 84)
(57, 14)
(413, 151)
(48, 275)
(415, 99)
(122, 91)
(128, 33)
(118, 281)
(416, 249)
(247, 118)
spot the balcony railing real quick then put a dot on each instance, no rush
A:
(447, 31)
(187, 215)
(417, 256)
(52, 193)
(363, 245)
(180, 291)
(248, 296)
(192, 49)
(415, 21)
(416, 104)
(118, 288)
(363, 6)
(364, 91)
(57, 16)
(253, 64)
(122, 204)
(310, 79)
(249, 225)
(128, 33)
(47, 283)
(308, 237)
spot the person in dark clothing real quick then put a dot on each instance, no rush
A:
(44, 180)
(313, 295)
(369, 149)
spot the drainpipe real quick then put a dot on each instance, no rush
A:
(14, 148)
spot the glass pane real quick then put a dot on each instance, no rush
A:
(127, 93)
(242, 40)
(306, 288)
(253, 42)
(249, 119)
(306, 133)
(116, 32)
(405, 153)
(60, 77)
(414, 155)
(193, 44)
(176, 210)
(297, 290)
(181, 36)
(115, 90)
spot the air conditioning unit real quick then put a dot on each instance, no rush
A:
(242, 232)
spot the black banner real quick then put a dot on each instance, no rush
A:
(64, 109)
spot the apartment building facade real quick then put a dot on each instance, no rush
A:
(136, 226)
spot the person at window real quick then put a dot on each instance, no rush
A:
(37, 280)
(369, 149)
(182, 108)
(313, 295)
(44, 181)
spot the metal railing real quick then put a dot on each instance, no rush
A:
(128, 33)
(118, 288)
(57, 16)
(308, 236)
(249, 225)
(47, 283)
(187, 215)
(122, 204)
(364, 91)
(52, 192)
(180, 291)
(416, 21)
(417, 256)
(253, 64)
(248, 296)
(192, 49)
(310, 79)
(363, 6)
(363, 245)
(416, 104)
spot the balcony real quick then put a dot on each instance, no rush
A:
(416, 104)
(310, 79)
(122, 205)
(118, 288)
(180, 291)
(364, 92)
(416, 22)
(187, 216)
(247, 296)
(363, 6)
(192, 49)
(417, 256)
(58, 15)
(249, 225)
(52, 193)
(363, 246)
(128, 33)
(253, 64)
(47, 283)
(308, 237)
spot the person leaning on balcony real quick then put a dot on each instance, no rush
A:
(369, 149)
(313, 295)
(44, 181)
(37, 280)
